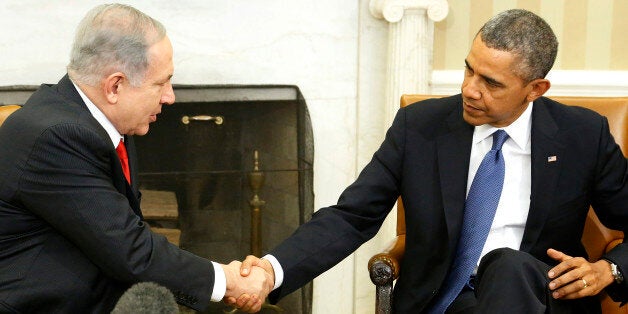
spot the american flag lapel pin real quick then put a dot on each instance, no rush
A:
(552, 159)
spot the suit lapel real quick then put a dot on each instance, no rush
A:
(132, 190)
(454, 150)
(68, 91)
(545, 167)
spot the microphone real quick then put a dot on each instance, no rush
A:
(146, 298)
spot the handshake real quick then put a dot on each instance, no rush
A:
(248, 283)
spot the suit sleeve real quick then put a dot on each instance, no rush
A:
(335, 232)
(610, 201)
(67, 181)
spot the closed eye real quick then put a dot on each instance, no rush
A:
(489, 80)
(467, 67)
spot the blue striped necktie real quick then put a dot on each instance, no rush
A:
(479, 212)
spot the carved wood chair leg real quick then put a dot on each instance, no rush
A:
(383, 301)
(381, 274)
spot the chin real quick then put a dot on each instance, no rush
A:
(472, 120)
(140, 131)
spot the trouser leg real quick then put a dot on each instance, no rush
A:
(511, 281)
(464, 303)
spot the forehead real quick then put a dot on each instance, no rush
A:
(160, 58)
(489, 61)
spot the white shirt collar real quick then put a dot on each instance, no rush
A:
(101, 118)
(518, 131)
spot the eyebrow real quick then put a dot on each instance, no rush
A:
(488, 79)
(165, 80)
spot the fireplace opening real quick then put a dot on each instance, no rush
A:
(200, 156)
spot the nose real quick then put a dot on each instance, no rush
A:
(168, 97)
(470, 88)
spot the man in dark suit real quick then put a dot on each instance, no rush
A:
(556, 161)
(72, 239)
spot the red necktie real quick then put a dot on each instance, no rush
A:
(124, 160)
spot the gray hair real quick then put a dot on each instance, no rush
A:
(113, 38)
(526, 35)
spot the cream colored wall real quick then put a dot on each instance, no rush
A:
(311, 44)
(591, 33)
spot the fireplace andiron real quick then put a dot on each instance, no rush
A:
(256, 181)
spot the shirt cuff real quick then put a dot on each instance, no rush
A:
(220, 283)
(277, 269)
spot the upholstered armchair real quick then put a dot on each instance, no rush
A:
(597, 239)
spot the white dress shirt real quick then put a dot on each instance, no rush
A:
(101, 118)
(514, 203)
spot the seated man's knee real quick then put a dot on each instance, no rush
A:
(510, 265)
(506, 259)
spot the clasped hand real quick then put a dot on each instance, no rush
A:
(575, 277)
(248, 284)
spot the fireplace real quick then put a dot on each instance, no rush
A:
(196, 161)
(202, 150)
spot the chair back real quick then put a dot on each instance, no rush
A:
(407, 99)
(615, 109)
(6, 111)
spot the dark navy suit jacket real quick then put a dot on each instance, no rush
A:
(425, 159)
(71, 235)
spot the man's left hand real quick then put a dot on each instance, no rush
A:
(575, 277)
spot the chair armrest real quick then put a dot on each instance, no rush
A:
(597, 239)
(384, 267)
(611, 245)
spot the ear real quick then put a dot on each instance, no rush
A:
(539, 87)
(112, 86)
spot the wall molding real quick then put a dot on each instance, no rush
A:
(564, 83)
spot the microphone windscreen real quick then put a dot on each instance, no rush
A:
(146, 298)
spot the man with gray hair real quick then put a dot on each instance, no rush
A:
(496, 184)
(72, 238)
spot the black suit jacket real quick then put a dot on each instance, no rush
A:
(425, 159)
(71, 235)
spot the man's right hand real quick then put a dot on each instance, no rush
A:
(252, 261)
(251, 290)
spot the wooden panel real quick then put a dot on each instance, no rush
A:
(159, 205)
